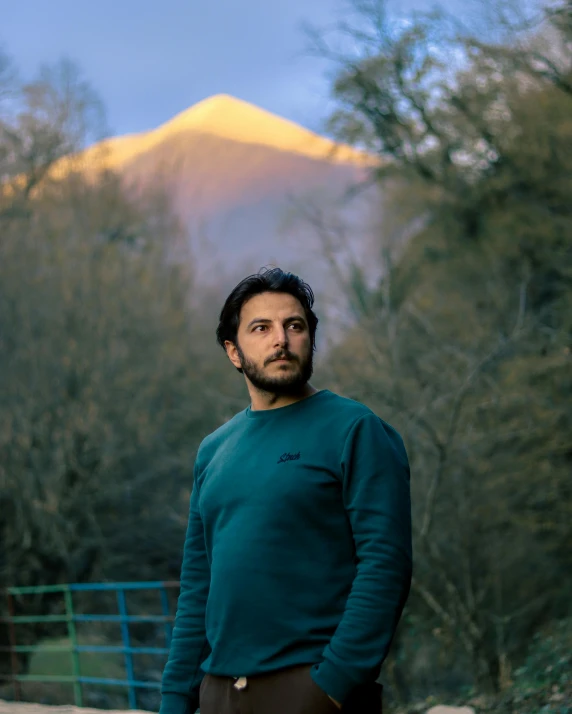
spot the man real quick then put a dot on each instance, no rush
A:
(297, 560)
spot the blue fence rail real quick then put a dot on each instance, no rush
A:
(71, 618)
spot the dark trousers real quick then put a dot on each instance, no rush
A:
(286, 691)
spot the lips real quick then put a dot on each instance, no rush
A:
(282, 359)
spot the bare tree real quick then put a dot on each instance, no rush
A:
(53, 116)
(102, 398)
(448, 344)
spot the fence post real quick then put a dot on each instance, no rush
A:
(12, 640)
(122, 605)
(72, 634)
(166, 612)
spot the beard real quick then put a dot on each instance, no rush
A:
(287, 383)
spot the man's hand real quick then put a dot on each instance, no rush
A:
(335, 702)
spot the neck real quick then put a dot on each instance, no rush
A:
(266, 400)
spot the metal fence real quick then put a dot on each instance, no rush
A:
(72, 618)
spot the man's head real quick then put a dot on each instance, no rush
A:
(268, 316)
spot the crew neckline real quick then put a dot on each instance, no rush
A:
(280, 411)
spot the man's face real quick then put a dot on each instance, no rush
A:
(273, 346)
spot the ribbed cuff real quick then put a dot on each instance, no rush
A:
(174, 703)
(333, 680)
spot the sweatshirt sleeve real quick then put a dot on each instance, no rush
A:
(376, 495)
(189, 646)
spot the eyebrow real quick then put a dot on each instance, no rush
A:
(265, 319)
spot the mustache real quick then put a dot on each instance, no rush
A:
(281, 355)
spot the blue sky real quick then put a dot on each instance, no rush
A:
(149, 60)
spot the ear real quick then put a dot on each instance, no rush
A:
(232, 353)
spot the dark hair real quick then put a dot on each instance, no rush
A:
(267, 280)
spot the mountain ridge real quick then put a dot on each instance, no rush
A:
(225, 117)
(232, 173)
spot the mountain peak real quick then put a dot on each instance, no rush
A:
(230, 118)
(214, 114)
(217, 103)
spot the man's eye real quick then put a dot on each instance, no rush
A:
(260, 327)
(296, 325)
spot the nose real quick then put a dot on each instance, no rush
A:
(280, 337)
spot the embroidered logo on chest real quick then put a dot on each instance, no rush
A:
(288, 457)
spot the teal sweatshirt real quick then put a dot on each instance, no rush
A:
(298, 549)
